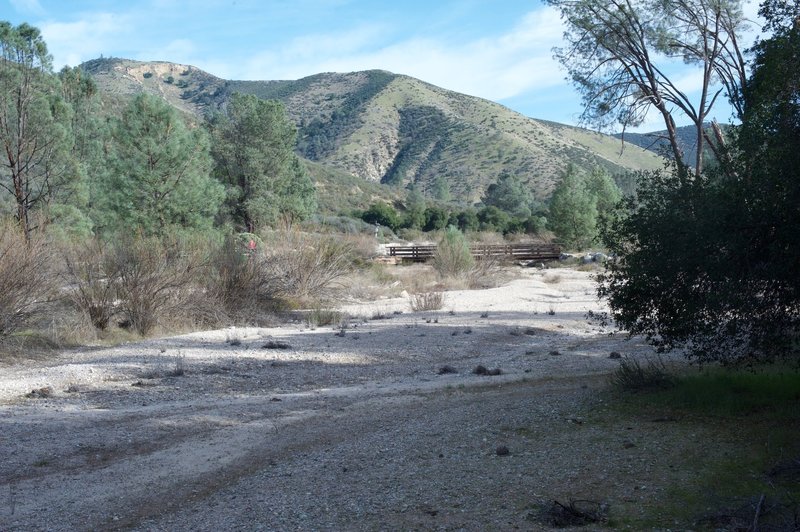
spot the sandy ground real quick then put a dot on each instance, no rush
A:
(354, 427)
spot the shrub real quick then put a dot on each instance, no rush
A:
(26, 279)
(453, 257)
(304, 266)
(320, 317)
(153, 278)
(631, 375)
(422, 301)
(89, 274)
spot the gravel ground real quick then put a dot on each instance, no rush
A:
(380, 424)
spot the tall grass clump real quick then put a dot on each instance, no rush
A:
(424, 301)
(453, 257)
(27, 283)
(632, 375)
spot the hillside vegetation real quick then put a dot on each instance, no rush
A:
(394, 129)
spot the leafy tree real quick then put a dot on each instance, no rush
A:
(511, 195)
(253, 151)
(573, 210)
(383, 214)
(34, 125)
(492, 218)
(467, 220)
(435, 218)
(709, 262)
(618, 51)
(415, 209)
(159, 172)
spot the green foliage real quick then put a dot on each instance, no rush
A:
(253, 152)
(435, 218)
(35, 132)
(493, 219)
(709, 262)
(159, 172)
(414, 217)
(467, 220)
(573, 210)
(383, 214)
(734, 393)
(453, 257)
(511, 195)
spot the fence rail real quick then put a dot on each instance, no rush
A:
(509, 251)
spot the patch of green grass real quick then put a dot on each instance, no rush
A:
(733, 394)
(744, 432)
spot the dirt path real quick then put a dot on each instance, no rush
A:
(353, 430)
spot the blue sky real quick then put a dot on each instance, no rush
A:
(499, 50)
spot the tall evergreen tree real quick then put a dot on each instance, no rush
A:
(159, 172)
(253, 151)
(34, 126)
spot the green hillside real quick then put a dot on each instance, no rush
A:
(394, 129)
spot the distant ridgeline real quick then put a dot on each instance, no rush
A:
(394, 129)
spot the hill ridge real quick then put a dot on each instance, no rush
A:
(393, 128)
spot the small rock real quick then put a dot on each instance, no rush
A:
(446, 369)
(502, 450)
(554, 353)
(628, 445)
(614, 355)
(480, 370)
(276, 344)
(40, 393)
(483, 370)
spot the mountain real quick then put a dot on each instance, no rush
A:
(393, 129)
(657, 142)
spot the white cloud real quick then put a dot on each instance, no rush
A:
(495, 68)
(28, 7)
(74, 42)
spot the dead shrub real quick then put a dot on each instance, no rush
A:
(486, 272)
(304, 266)
(153, 278)
(236, 279)
(91, 281)
(27, 283)
(423, 301)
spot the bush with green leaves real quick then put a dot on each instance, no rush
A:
(453, 257)
(383, 214)
(709, 262)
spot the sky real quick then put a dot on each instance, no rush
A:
(500, 50)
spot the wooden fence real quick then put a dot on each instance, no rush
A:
(542, 252)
